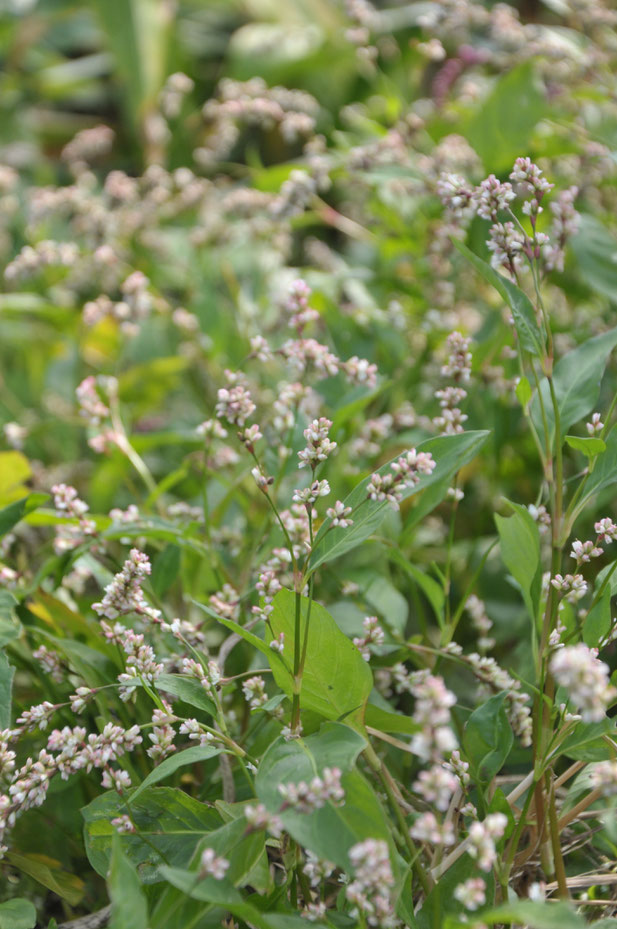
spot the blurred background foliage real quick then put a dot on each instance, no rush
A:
(379, 280)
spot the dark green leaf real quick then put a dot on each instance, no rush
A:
(172, 823)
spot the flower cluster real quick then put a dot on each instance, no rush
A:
(305, 798)
(585, 678)
(371, 887)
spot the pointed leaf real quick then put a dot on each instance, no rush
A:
(523, 313)
(450, 452)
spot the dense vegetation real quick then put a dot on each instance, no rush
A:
(307, 464)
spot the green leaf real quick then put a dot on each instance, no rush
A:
(428, 585)
(594, 250)
(243, 851)
(170, 765)
(14, 471)
(502, 125)
(377, 718)
(137, 33)
(598, 621)
(332, 830)
(129, 909)
(17, 914)
(487, 738)
(450, 452)
(576, 380)
(604, 472)
(534, 915)
(165, 568)
(171, 822)
(7, 673)
(337, 680)
(520, 549)
(49, 873)
(523, 313)
(224, 894)
(187, 689)
(586, 743)
(590, 447)
(523, 392)
(10, 515)
(10, 627)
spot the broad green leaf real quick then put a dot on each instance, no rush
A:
(450, 452)
(129, 908)
(10, 627)
(7, 673)
(576, 380)
(523, 313)
(10, 515)
(332, 830)
(170, 765)
(487, 738)
(589, 446)
(520, 550)
(49, 873)
(337, 680)
(17, 914)
(598, 621)
(502, 126)
(171, 821)
(547, 915)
